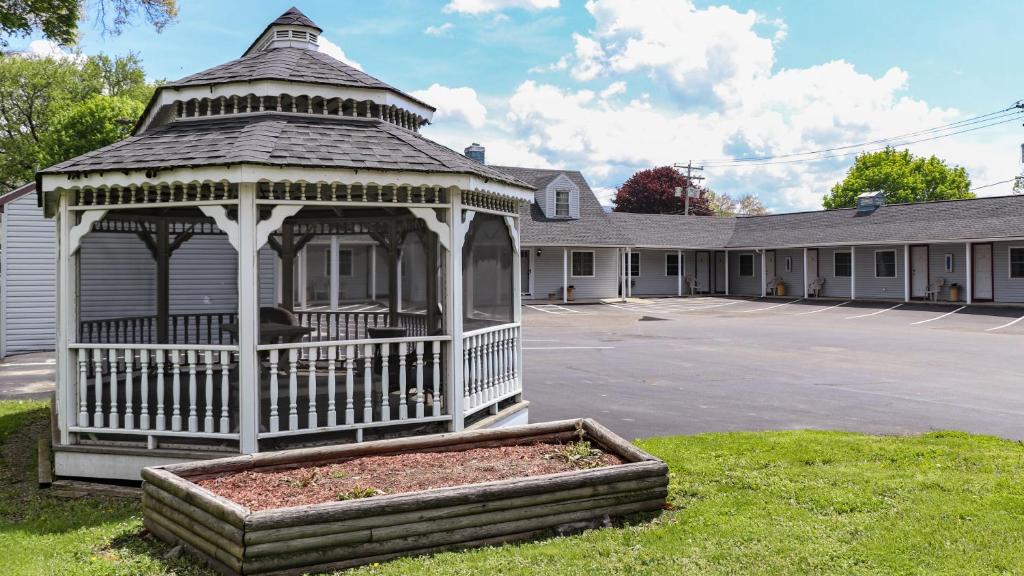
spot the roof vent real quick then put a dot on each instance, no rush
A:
(476, 152)
(868, 202)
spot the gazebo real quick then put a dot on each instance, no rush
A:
(276, 258)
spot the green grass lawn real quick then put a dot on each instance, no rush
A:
(743, 503)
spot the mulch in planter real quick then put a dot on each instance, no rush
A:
(395, 474)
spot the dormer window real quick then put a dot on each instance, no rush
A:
(562, 203)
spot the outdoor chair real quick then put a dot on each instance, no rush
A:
(771, 286)
(691, 285)
(816, 286)
(932, 293)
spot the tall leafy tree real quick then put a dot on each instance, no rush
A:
(58, 20)
(652, 191)
(88, 125)
(40, 94)
(903, 177)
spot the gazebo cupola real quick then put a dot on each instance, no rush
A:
(276, 256)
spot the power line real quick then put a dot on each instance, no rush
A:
(993, 184)
(988, 119)
(772, 161)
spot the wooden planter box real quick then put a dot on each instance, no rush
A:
(338, 535)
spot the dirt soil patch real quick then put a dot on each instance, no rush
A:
(394, 474)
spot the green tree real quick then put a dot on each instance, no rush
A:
(58, 19)
(89, 125)
(38, 93)
(903, 177)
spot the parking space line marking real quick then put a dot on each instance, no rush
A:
(539, 309)
(773, 307)
(569, 348)
(875, 313)
(822, 309)
(938, 317)
(1007, 325)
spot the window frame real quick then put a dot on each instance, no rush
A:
(679, 268)
(572, 264)
(1009, 262)
(638, 262)
(341, 272)
(895, 263)
(568, 203)
(788, 264)
(948, 262)
(834, 262)
(739, 265)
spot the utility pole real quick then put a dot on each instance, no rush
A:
(690, 188)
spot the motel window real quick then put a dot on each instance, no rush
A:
(1016, 262)
(747, 265)
(562, 203)
(789, 264)
(634, 264)
(345, 263)
(842, 265)
(885, 264)
(672, 265)
(582, 263)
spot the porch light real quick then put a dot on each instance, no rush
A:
(539, 252)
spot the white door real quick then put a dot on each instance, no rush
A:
(719, 271)
(812, 265)
(703, 269)
(918, 271)
(982, 272)
(769, 265)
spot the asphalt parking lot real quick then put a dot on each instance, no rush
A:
(689, 365)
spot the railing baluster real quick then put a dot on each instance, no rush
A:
(129, 392)
(312, 422)
(368, 383)
(83, 387)
(144, 389)
(467, 381)
(274, 418)
(435, 346)
(477, 380)
(385, 383)
(161, 417)
(208, 365)
(193, 415)
(225, 389)
(175, 391)
(293, 389)
(332, 415)
(419, 380)
(403, 408)
(350, 360)
(97, 417)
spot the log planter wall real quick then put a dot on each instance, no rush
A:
(338, 535)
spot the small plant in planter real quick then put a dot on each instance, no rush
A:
(360, 492)
(579, 454)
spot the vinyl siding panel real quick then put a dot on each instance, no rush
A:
(652, 280)
(794, 279)
(1006, 289)
(548, 274)
(868, 286)
(748, 286)
(937, 263)
(835, 287)
(29, 291)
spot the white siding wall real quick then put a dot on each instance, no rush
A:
(547, 269)
(835, 287)
(868, 286)
(794, 279)
(652, 280)
(749, 286)
(29, 271)
(937, 267)
(1006, 289)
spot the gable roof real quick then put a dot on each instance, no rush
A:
(675, 231)
(23, 190)
(280, 140)
(593, 227)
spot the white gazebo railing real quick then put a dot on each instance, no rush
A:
(492, 366)
(156, 390)
(315, 387)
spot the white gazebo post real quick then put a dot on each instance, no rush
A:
(334, 270)
(969, 269)
(906, 272)
(373, 272)
(764, 273)
(853, 272)
(565, 275)
(453, 305)
(679, 272)
(248, 319)
(67, 294)
(806, 280)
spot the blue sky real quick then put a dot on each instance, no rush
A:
(612, 86)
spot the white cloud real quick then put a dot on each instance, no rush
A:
(485, 6)
(335, 51)
(48, 49)
(442, 30)
(613, 89)
(557, 66)
(459, 104)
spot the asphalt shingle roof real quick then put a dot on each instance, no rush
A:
(674, 231)
(281, 140)
(594, 227)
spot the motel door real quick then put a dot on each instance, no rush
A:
(769, 264)
(812, 265)
(982, 272)
(719, 271)
(703, 271)
(918, 271)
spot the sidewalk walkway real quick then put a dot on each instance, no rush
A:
(27, 376)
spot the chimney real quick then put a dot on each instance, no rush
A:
(475, 152)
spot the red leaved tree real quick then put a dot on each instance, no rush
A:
(653, 191)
